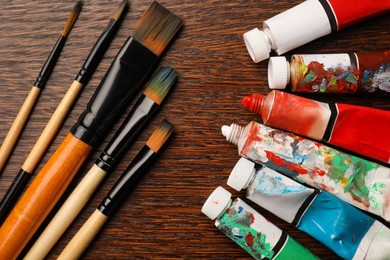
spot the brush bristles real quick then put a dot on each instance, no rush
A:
(160, 84)
(160, 136)
(119, 10)
(156, 28)
(72, 18)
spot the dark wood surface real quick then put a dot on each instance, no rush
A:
(162, 218)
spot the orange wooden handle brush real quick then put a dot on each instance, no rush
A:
(133, 64)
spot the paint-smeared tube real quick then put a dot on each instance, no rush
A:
(250, 230)
(346, 230)
(306, 22)
(360, 129)
(342, 73)
(359, 182)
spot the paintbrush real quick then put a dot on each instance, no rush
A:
(59, 116)
(133, 64)
(29, 103)
(143, 111)
(124, 185)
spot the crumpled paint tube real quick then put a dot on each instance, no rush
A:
(346, 230)
(359, 182)
(250, 230)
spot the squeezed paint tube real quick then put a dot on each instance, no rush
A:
(348, 73)
(363, 130)
(346, 230)
(306, 22)
(250, 230)
(359, 182)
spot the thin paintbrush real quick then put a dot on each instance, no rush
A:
(118, 193)
(143, 111)
(131, 67)
(29, 103)
(59, 115)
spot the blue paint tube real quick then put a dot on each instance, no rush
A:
(346, 230)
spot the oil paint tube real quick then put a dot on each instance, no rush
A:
(360, 129)
(346, 230)
(343, 73)
(250, 230)
(359, 182)
(306, 22)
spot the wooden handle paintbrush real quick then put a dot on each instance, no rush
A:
(118, 193)
(141, 113)
(58, 117)
(29, 103)
(134, 62)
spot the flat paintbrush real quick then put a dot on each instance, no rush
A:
(131, 67)
(125, 184)
(59, 116)
(141, 113)
(29, 103)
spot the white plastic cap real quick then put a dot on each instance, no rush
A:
(257, 44)
(278, 72)
(217, 203)
(241, 174)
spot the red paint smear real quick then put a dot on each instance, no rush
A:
(281, 162)
(252, 137)
(252, 218)
(351, 12)
(249, 239)
(318, 171)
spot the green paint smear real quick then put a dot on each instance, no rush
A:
(339, 163)
(237, 226)
(376, 189)
(294, 251)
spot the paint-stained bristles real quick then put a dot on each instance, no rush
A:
(160, 136)
(160, 84)
(72, 18)
(120, 10)
(156, 28)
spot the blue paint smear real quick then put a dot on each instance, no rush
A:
(274, 185)
(336, 224)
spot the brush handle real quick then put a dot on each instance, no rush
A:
(18, 125)
(67, 213)
(52, 127)
(127, 73)
(84, 236)
(48, 67)
(128, 180)
(41, 196)
(97, 52)
(39, 149)
(142, 112)
(11, 197)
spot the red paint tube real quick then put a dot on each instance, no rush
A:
(308, 21)
(348, 73)
(363, 130)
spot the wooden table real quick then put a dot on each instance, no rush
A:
(162, 218)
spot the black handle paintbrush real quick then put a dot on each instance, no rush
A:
(60, 114)
(133, 64)
(128, 180)
(141, 113)
(29, 103)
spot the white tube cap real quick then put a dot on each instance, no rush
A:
(257, 44)
(241, 174)
(217, 203)
(278, 72)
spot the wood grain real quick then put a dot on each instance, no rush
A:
(161, 219)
